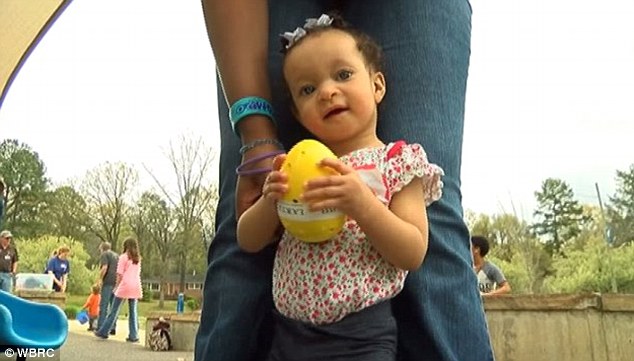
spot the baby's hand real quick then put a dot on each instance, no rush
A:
(345, 191)
(275, 184)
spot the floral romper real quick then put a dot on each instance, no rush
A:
(321, 283)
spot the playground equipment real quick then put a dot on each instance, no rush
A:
(30, 325)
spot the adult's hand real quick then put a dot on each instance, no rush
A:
(249, 188)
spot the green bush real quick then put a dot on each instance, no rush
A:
(595, 268)
(148, 294)
(192, 304)
(71, 312)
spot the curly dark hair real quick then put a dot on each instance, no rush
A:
(482, 243)
(369, 48)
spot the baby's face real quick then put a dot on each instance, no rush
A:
(334, 92)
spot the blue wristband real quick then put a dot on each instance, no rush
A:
(246, 106)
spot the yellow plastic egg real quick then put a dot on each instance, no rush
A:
(301, 164)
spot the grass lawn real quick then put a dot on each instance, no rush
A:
(144, 307)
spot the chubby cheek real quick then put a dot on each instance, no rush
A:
(370, 105)
(307, 115)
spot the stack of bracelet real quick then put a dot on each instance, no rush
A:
(242, 108)
(247, 147)
(241, 171)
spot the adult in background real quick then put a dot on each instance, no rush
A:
(491, 280)
(107, 279)
(128, 288)
(427, 46)
(8, 261)
(59, 267)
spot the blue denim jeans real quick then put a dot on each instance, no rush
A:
(133, 318)
(439, 313)
(105, 305)
(6, 282)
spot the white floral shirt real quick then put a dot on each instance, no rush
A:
(323, 282)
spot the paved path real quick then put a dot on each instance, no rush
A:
(122, 330)
(82, 345)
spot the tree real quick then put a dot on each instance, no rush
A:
(26, 185)
(66, 214)
(620, 211)
(195, 195)
(107, 189)
(559, 214)
(503, 232)
(596, 268)
(154, 221)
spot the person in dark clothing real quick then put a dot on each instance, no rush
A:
(8, 261)
(108, 279)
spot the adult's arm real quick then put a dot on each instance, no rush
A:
(502, 288)
(238, 32)
(495, 274)
(102, 271)
(104, 261)
(122, 266)
(64, 282)
(57, 282)
(14, 265)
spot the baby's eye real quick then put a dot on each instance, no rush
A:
(306, 90)
(344, 74)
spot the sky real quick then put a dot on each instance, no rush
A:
(549, 94)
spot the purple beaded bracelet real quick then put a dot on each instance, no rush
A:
(247, 172)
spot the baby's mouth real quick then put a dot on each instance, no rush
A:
(335, 112)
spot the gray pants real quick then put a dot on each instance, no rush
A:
(367, 335)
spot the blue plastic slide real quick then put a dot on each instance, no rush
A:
(27, 324)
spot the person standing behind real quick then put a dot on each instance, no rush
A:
(108, 279)
(427, 48)
(8, 261)
(491, 280)
(92, 306)
(128, 287)
(59, 267)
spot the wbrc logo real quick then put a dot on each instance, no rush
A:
(30, 352)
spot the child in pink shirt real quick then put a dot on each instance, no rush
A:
(128, 287)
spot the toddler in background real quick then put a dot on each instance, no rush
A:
(92, 306)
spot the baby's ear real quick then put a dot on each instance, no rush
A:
(378, 80)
